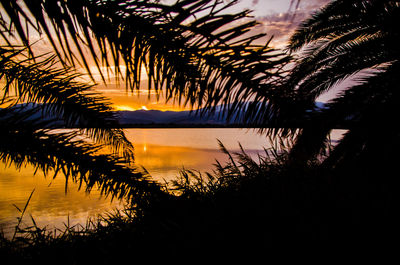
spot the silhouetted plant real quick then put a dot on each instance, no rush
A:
(337, 42)
(249, 206)
(193, 50)
(60, 95)
(27, 138)
(343, 39)
(239, 168)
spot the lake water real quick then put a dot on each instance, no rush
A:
(162, 152)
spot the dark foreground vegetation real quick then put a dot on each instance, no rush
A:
(245, 209)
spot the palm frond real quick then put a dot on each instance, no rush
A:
(194, 49)
(341, 17)
(338, 42)
(24, 141)
(366, 109)
(342, 39)
(318, 73)
(61, 95)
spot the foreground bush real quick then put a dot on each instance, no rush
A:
(244, 208)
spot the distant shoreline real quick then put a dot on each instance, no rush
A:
(166, 126)
(198, 126)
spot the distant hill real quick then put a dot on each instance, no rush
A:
(136, 118)
(152, 117)
(156, 117)
(147, 117)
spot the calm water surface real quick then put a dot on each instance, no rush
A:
(162, 152)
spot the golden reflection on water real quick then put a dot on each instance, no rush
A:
(162, 152)
(50, 205)
(165, 162)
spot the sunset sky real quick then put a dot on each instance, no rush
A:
(277, 18)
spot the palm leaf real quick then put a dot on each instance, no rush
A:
(341, 17)
(193, 49)
(339, 41)
(62, 96)
(365, 110)
(23, 141)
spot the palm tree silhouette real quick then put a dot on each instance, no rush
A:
(337, 42)
(27, 136)
(193, 50)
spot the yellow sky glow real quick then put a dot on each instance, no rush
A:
(122, 100)
(123, 107)
(126, 107)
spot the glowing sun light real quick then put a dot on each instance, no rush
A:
(144, 108)
(123, 107)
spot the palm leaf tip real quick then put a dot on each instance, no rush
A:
(61, 96)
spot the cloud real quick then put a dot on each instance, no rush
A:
(281, 26)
